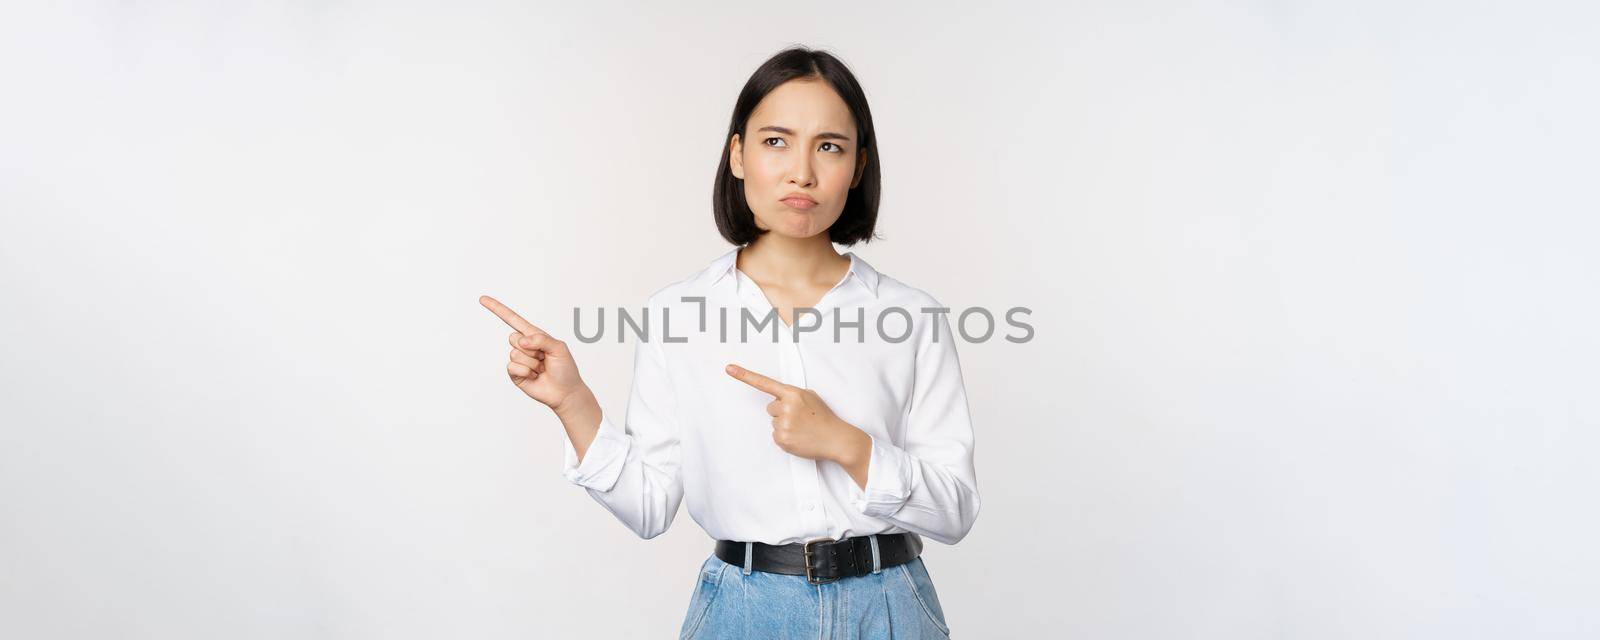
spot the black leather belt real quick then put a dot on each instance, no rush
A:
(824, 560)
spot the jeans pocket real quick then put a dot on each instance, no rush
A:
(706, 585)
(921, 585)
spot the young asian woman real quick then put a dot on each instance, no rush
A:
(817, 454)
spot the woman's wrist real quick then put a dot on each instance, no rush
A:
(854, 453)
(855, 446)
(579, 413)
(579, 408)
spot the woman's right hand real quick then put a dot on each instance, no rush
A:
(541, 366)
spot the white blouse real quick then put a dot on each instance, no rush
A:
(695, 434)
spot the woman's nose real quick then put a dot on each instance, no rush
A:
(801, 173)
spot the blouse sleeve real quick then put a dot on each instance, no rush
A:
(927, 484)
(632, 469)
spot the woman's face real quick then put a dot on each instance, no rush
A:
(801, 158)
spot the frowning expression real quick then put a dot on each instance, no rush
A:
(801, 160)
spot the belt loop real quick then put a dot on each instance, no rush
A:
(877, 561)
(749, 556)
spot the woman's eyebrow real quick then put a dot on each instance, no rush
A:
(824, 135)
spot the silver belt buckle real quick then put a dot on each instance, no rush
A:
(806, 552)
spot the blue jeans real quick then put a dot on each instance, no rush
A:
(895, 602)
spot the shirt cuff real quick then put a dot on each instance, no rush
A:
(602, 463)
(890, 477)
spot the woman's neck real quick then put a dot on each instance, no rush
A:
(792, 262)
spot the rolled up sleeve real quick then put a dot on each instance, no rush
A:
(890, 475)
(602, 463)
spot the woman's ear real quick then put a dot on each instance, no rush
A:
(736, 157)
(861, 168)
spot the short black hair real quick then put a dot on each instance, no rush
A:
(860, 216)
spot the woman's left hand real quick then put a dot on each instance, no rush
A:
(802, 424)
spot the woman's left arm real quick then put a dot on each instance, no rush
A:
(928, 485)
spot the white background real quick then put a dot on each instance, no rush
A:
(1314, 287)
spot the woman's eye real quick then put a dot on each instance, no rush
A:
(769, 140)
(825, 144)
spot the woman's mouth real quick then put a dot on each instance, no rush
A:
(798, 202)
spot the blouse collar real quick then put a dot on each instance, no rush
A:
(723, 267)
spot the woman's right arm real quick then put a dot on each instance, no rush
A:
(631, 471)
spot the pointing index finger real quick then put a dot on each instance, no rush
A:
(773, 387)
(508, 316)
